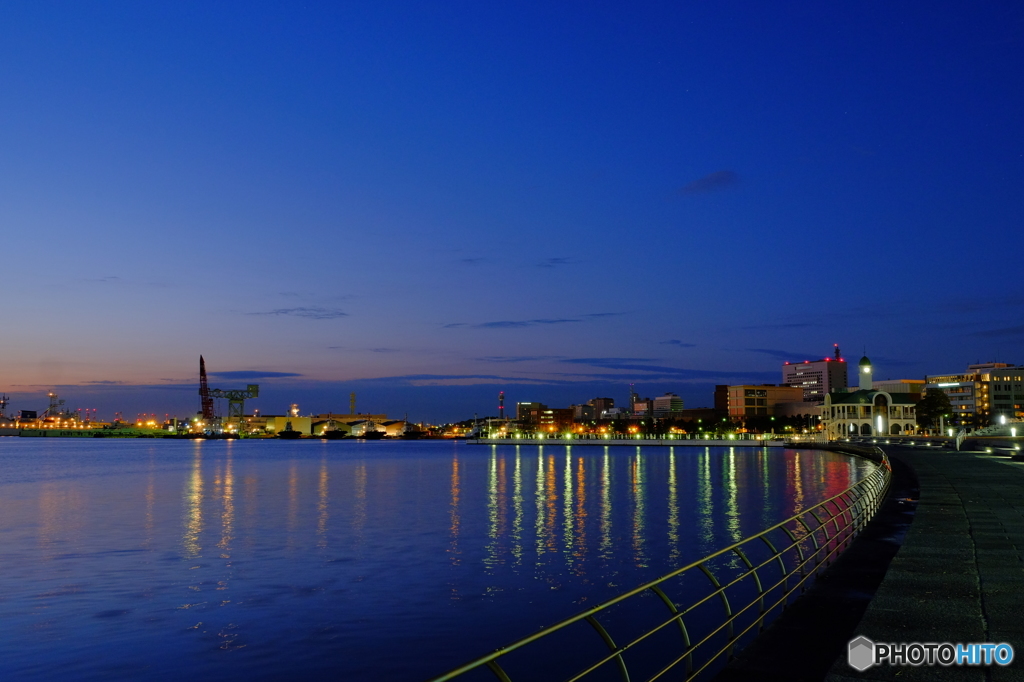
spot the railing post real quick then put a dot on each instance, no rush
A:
(611, 647)
(725, 600)
(682, 626)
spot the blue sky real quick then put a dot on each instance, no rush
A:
(429, 202)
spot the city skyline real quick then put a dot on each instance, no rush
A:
(426, 204)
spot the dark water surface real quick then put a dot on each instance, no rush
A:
(340, 560)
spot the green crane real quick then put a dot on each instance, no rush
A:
(236, 403)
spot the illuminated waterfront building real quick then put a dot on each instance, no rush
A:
(760, 400)
(555, 419)
(985, 392)
(529, 413)
(867, 411)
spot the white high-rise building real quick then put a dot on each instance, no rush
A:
(816, 377)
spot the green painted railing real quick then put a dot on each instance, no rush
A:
(747, 584)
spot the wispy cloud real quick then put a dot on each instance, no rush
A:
(252, 374)
(508, 324)
(472, 261)
(555, 262)
(457, 380)
(1000, 333)
(309, 313)
(784, 325)
(517, 358)
(710, 183)
(650, 371)
(785, 355)
(103, 383)
(605, 362)
(504, 324)
(677, 343)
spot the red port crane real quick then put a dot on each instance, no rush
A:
(204, 392)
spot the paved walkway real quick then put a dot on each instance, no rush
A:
(959, 575)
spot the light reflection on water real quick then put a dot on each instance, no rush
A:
(326, 560)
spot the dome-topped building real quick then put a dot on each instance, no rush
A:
(868, 412)
(864, 371)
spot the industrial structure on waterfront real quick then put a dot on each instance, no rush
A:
(813, 397)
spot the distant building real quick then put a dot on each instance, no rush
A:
(593, 409)
(583, 413)
(760, 400)
(394, 428)
(1007, 393)
(796, 408)
(279, 423)
(973, 394)
(334, 416)
(320, 427)
(555, 419)
(615, 413)
(701, 414)
(867, 411)
(363, 426)
(529, 413)
(915, 387)
(985, 392)
(722, 398)
(816, 377)
(668, 406)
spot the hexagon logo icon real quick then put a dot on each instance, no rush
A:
(861, 654)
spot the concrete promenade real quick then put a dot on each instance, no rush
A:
(959, 574)
(951, 570)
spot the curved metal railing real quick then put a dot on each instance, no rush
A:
(750, 581)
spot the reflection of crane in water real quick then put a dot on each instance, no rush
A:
(236, 399)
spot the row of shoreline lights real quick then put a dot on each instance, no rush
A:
(670, 436)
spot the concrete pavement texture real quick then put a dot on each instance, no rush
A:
(959, 575)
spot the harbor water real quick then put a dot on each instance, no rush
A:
(141, 559)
